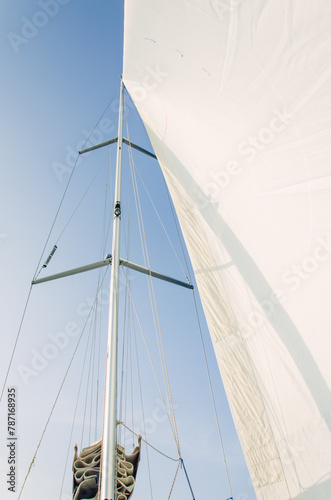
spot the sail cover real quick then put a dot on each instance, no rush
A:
(86, 471)
(236, 99)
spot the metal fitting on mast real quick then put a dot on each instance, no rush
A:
(117, 210)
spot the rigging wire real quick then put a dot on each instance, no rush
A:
(94, 308)
(74, 416)
(122, 375)
(173, 483)
(97, 382)
(128, 307)
(177, 228)
(36, 273)
(158, 330)
(143, 412)
(201, 337)
(212, 394)
(149, 444)
(128, 390)
(105, 225)
(131, 374)
(104, 238)
(93, 370)
(16, 340)
(149, 355)
(124, 384)
(186, 273)
(179, 460)
(128, 324)
(60, 389)
(90, 337)
(178, 450)
(79, 203)
(126, 362)
(93, 364)
(152, 297)
(153, 303)
(182, 463)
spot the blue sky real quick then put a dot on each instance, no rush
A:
(61, 63)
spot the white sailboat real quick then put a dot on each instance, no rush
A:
(235, 99)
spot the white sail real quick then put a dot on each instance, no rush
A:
(236, 97)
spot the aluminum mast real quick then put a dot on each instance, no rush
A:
(108, 460)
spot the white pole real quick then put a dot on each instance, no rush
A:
(108, 461)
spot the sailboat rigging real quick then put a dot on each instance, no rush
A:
(104, 470)
(235, 98)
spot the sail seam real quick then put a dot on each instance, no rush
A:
(261, 395)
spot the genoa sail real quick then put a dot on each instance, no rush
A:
(86, 472)
(235, 97)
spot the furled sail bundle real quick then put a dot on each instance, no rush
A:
(86, 470)
(236, 99)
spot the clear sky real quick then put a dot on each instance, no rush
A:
(61, 66)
